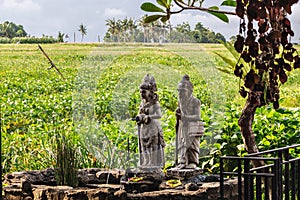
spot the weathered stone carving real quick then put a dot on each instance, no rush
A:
(189, 128)
(151, 141)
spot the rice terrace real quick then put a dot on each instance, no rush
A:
(85, 116)
(171, 105)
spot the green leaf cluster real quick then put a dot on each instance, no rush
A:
(167, 4)
(150, 7)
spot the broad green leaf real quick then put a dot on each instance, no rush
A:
(152, 18)
(231, 3)
(169, 2)
(162, 3)
(221, 16)
(225, 70)
(231, 49)
(150, 7)
(213, 8)
(165, 18)
(227, 60)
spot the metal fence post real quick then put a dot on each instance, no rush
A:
(221, 179)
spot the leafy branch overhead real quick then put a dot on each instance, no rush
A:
(264, 45)
(266, 54)
(165, 8)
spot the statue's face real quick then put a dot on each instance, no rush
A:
(183, 93)
(144, 93)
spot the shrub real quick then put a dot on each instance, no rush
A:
(28, 40)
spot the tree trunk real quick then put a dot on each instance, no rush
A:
(245, 123)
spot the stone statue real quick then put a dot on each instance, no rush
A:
(189, 128)
(151, 141)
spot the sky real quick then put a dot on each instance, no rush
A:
(49, 17)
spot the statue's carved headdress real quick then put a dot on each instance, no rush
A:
(148, 83)
(186, 83)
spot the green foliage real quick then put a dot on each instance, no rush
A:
(150, 7)
(39, 108)
(272, 129)
(230, 59)
(5, 40)
(164, 3)
(204, 35)
(282, 126)
(152, 18)
(11, 30)
(229, 3)
(31, 97)
(66, 159)
(182, 5)
(221, 16)
(29, 40)
(60, 37)
(83, 30)
(145, 30)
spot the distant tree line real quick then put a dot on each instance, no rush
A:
(11, 30)
(129, 30)
(13, 33)
(126, 30)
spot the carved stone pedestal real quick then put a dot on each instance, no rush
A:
(183, 174)
(142, 179)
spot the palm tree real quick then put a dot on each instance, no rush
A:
(83, 30)
(110, 24)
(60, 37)
(124, 27)
(132, 26)
(6, 29)
(145, 27)
(154, 31)
(113, 28)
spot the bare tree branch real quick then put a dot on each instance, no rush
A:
(185, 6)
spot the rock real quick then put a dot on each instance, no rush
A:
(120, 194)
(191, 187)
(151, 186)
(37, 177)
(88, 176)
(26, 186)
(44, 192)
(99, 176)
(110, 176)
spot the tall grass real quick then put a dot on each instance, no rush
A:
(66, 160)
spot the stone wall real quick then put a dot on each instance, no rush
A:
(99, 184)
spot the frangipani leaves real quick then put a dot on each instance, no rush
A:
(153, 18)
(221, 16)
(163, 3)
(150, 7)
(231, 3)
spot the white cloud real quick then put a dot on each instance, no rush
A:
(295, 16)
(20, 5)
(113, 12)
(48, 17)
